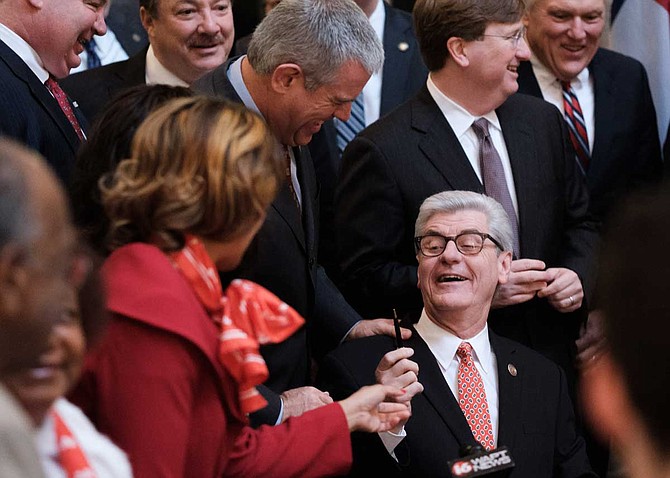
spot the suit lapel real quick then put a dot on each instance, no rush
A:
(437, 392)
(440, 145)
(509, 392)
(40, 93)
(285, 206)
(605, 114)
(527, 80)
(518, 135)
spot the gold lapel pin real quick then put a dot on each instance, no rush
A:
(512, 370)
(403, 46)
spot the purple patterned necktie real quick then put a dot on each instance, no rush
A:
(493, 176)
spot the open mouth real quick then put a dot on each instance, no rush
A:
(450, 278)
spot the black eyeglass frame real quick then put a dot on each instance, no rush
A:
(483, 235)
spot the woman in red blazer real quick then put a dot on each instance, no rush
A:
(174, 378)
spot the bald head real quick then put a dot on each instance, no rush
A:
(36, 254)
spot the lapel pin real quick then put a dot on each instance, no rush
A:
(403, 46)
(512, 369)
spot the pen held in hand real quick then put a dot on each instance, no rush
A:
(398, 334)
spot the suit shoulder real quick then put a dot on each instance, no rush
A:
(613, 59)
(526, 357)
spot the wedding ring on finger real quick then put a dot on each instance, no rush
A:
(572, 301)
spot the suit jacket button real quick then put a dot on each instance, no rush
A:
(311, 262)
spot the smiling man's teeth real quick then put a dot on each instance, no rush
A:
(450, 279)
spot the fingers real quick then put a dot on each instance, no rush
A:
(368, 327)
(527, 265)
(300, 400)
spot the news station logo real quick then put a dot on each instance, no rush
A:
(481, 464)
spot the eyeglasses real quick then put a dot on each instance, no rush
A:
(514, 38)
(468, 243)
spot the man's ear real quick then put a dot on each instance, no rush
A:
(457, 51)
(14, 278)
(147, 21)
(286, 76)
(504, 266)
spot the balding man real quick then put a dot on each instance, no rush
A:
(36, 266)
(41, 41)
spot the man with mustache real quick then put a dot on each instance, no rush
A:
(39, 42)
(186, 40)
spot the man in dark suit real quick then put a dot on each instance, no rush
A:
(37, 43)
(430, 144)
(304, 66)
(464, 244)
(612, 89)
(402, 75)
(182, 48)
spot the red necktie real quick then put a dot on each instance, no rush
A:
(64, 104)
(70, 456)
(472, 398)
(576, 125)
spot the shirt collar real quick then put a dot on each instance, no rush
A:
(21, 47)
(157, 74)
(458, 117)
(377, 19)
(546, 78)
(444, 344)
(234, 75)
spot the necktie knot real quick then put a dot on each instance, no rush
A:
(565, 85)
(481, 128)
(92, 57)
(464, 350)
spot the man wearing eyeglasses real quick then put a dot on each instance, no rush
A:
(468, 130)
(464, 244)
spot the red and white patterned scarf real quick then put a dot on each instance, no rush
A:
(248, 315)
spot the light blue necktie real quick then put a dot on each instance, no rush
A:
(347, 130)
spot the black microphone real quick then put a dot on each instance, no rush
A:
(476, 461)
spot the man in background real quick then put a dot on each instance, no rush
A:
(186, 40)
(40, 42)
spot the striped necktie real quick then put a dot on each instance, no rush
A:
(92, 57)
(574, 118)
(347, 130)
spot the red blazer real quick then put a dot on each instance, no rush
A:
(155, 386)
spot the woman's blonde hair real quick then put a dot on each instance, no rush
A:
(198, 165)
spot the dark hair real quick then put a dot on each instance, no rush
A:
(109, 143)
(435, 21)
(151, 6)
(633, 289)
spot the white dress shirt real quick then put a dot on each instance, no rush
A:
(107, 47)
(157, 74)
(21, 47)
(553, 93)
(372, 91)
(444, 345)
(461, 121)
(106, 459)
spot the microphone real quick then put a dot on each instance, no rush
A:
(476, 461)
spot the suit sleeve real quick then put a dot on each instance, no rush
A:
(371, 233)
